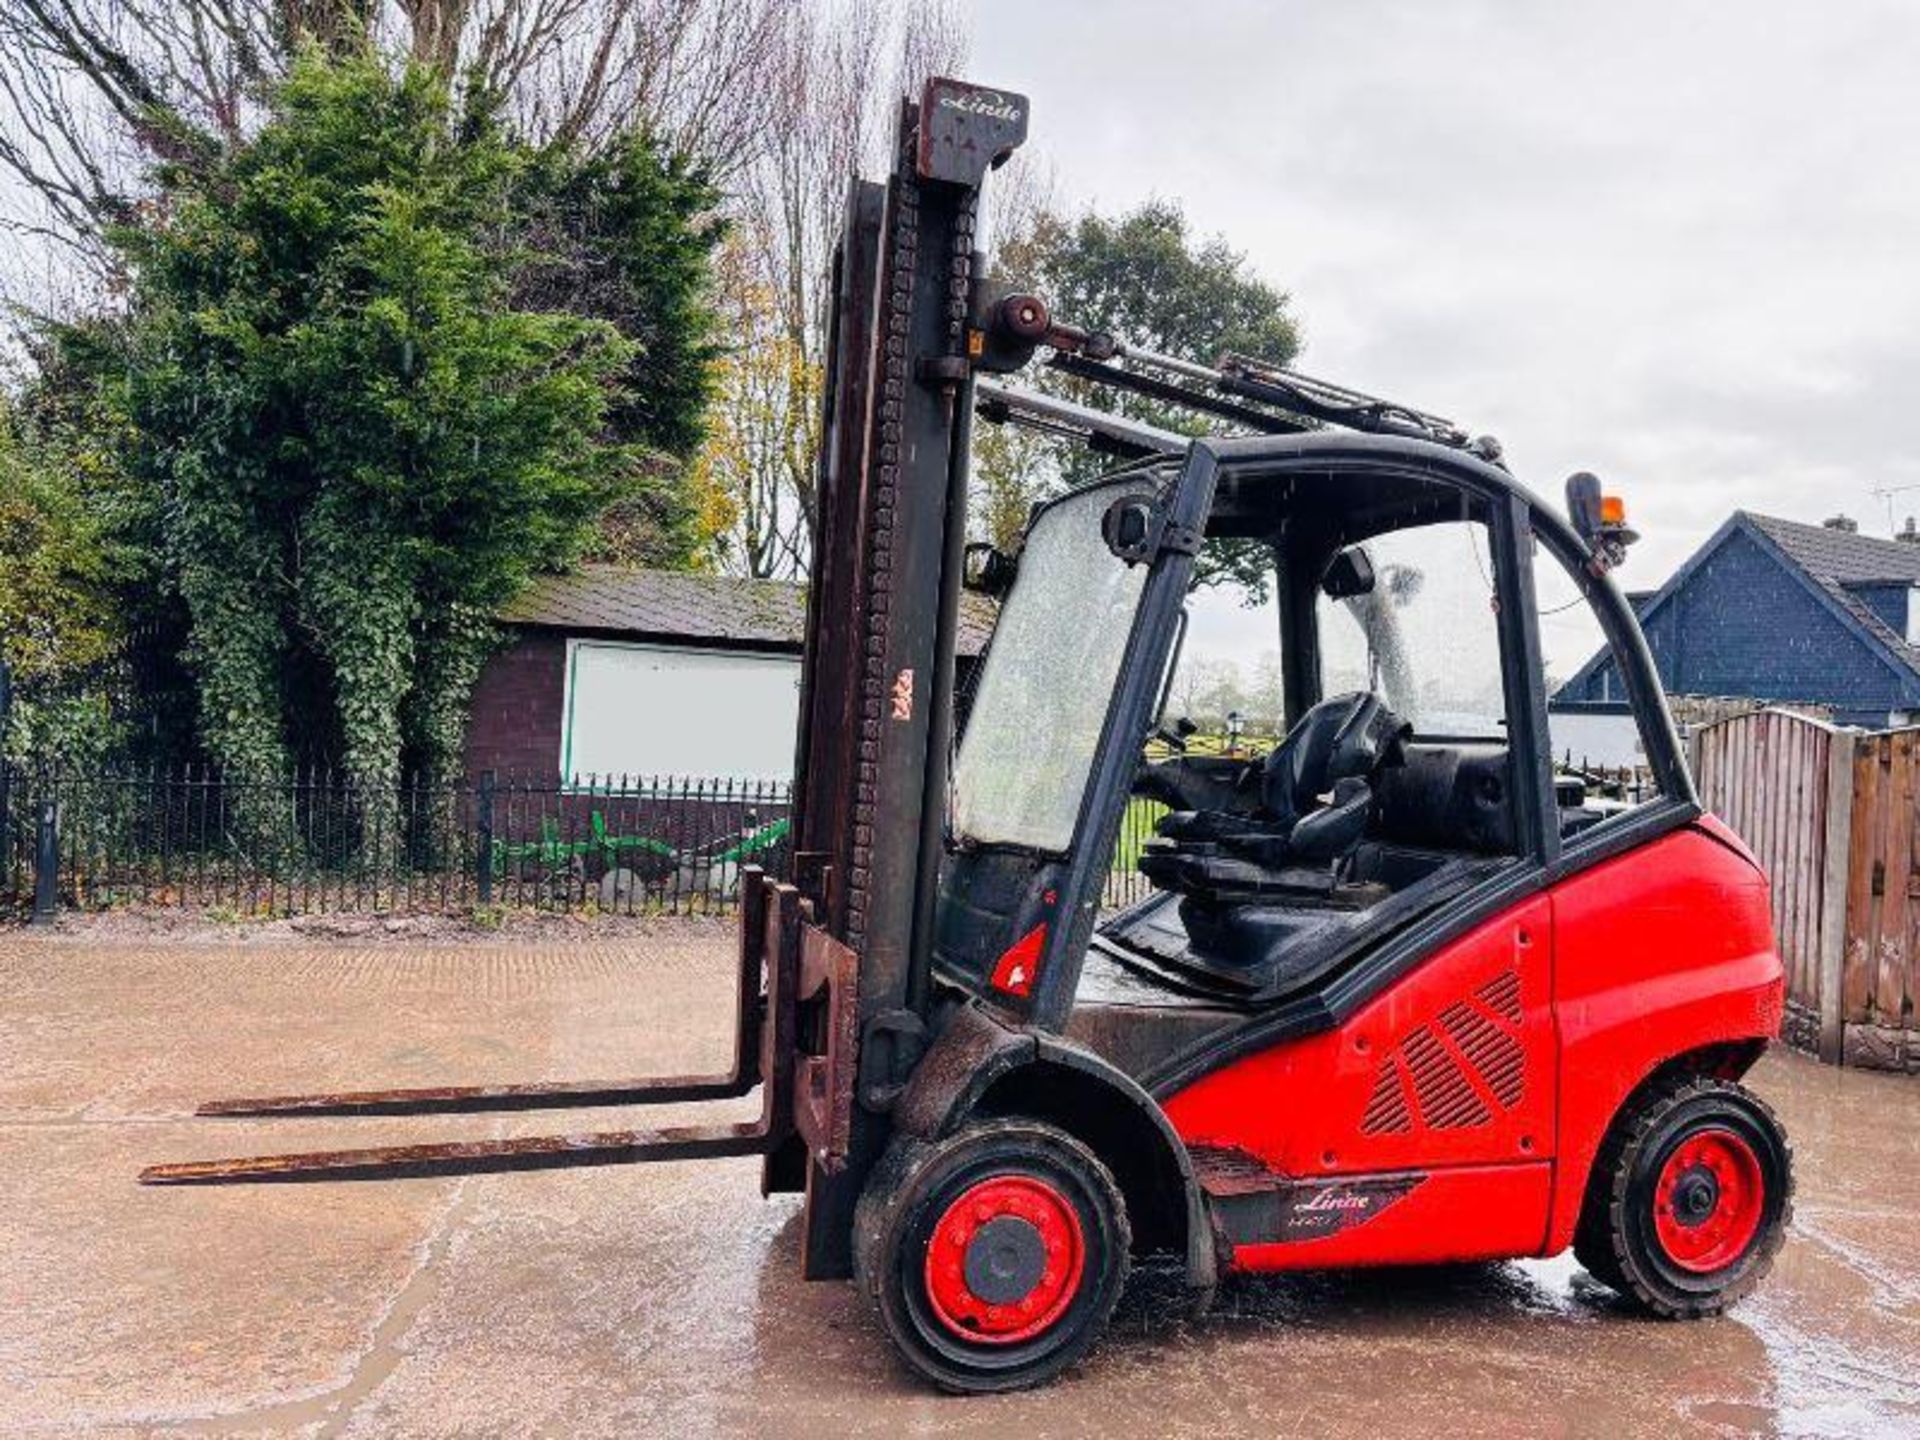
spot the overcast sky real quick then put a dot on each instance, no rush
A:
(1674, 243)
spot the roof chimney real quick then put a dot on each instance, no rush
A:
(1841, 522)
(1908, 535)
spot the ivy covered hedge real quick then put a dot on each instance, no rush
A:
(374, 368)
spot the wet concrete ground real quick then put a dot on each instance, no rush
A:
(665, 1300)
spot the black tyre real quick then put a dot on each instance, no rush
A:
(1689, 1200)
(1593, 1250)
(995, 1255)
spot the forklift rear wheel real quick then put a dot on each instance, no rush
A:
(1690, 1200)
(994, 1255)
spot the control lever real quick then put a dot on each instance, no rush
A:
(1176, 738)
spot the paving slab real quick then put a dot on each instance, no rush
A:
(666, 1299)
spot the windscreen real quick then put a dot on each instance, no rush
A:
(1048, 677)
(1426, 638)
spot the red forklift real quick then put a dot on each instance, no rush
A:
(1398, 994)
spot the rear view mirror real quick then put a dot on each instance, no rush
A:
(1350, 575)
(986, 569)
(1127, 528)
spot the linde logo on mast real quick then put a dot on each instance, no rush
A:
(989, 103)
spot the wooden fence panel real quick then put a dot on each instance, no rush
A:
(1895, 938)
(1883, 889)
(1868, 832)
(1768, 774)
(1834, 815)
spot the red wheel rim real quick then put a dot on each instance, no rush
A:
(1708, 1201)
(1029, 1264)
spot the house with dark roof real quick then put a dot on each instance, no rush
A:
(612, 671)
(1779, 612)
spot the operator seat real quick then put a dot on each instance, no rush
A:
(1315, 799)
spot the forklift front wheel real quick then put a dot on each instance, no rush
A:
(1691, 1199)
(994, 1255)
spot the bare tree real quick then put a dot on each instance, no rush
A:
(835, 92)
(94, 92)
(1013, 467)
(760, 435)
(691, 71)
(781, 100)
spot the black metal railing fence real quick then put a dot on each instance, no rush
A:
(1608, 783)
(317, 842)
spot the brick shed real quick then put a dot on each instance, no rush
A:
(612, 671)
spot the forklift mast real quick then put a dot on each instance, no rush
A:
(883, 611)
(834, 963)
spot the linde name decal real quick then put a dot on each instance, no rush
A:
(1313, 1213)
(982, 102)
(1335, 1200)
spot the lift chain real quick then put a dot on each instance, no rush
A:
(896, 373)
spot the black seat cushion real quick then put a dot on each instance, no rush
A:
(1335, 747)
(1347, 737)
(1209, 827)
(1333, 830)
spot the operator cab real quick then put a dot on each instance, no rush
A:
(1392, 787)
(1412, 785)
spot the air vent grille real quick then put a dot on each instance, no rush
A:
(1387, 1111)
(1453, 1063)
(1447, 1098)
(1494, 1052)
(1502, 996)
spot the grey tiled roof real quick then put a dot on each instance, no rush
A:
(665, 604)
(1839, 558)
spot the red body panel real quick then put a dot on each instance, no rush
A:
(1663, 950)
(1475, 1212)
(1301, 1107)
(1495, 1067)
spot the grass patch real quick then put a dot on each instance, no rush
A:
(1136, 828)
(488, 917)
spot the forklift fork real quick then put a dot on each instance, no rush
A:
(808, 975)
